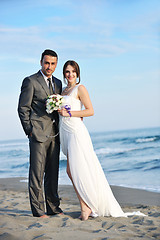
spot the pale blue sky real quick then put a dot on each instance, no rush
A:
(115, 42)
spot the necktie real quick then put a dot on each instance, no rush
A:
(50, 86)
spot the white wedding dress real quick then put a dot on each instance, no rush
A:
(86, 171)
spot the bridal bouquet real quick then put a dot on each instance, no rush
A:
(53, 103)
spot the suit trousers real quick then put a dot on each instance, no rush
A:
(44, 165)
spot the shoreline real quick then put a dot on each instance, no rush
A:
(17, 222)
(151, 190)
(123, 195)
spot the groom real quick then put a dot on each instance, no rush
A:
(42, 131)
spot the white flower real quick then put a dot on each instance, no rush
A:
(53, 102)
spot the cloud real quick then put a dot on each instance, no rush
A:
(26, 41)
(82, 30)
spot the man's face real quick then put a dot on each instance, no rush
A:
(48, 64)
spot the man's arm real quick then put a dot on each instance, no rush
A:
(24, 105)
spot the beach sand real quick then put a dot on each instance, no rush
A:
(17, 223)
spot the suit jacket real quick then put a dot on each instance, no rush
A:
(32, 106)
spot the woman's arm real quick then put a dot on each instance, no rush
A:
(86, 101)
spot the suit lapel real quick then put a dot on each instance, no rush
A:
(43, 83)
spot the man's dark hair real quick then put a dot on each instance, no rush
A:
(49, 53)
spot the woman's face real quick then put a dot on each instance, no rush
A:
(70, 75)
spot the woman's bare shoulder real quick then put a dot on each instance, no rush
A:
(82, 91)
(82, 88)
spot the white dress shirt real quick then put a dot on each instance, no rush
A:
(45, 78)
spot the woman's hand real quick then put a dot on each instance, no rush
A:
(63, 112)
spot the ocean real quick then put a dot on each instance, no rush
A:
(129, 158)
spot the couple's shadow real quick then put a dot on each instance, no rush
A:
(27, 213)
(73, 215)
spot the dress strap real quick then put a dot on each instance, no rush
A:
(74, 91)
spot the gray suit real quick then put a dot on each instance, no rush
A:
(44, 148)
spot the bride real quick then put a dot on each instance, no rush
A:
(83, 167)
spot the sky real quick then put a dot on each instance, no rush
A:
(115, 42)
